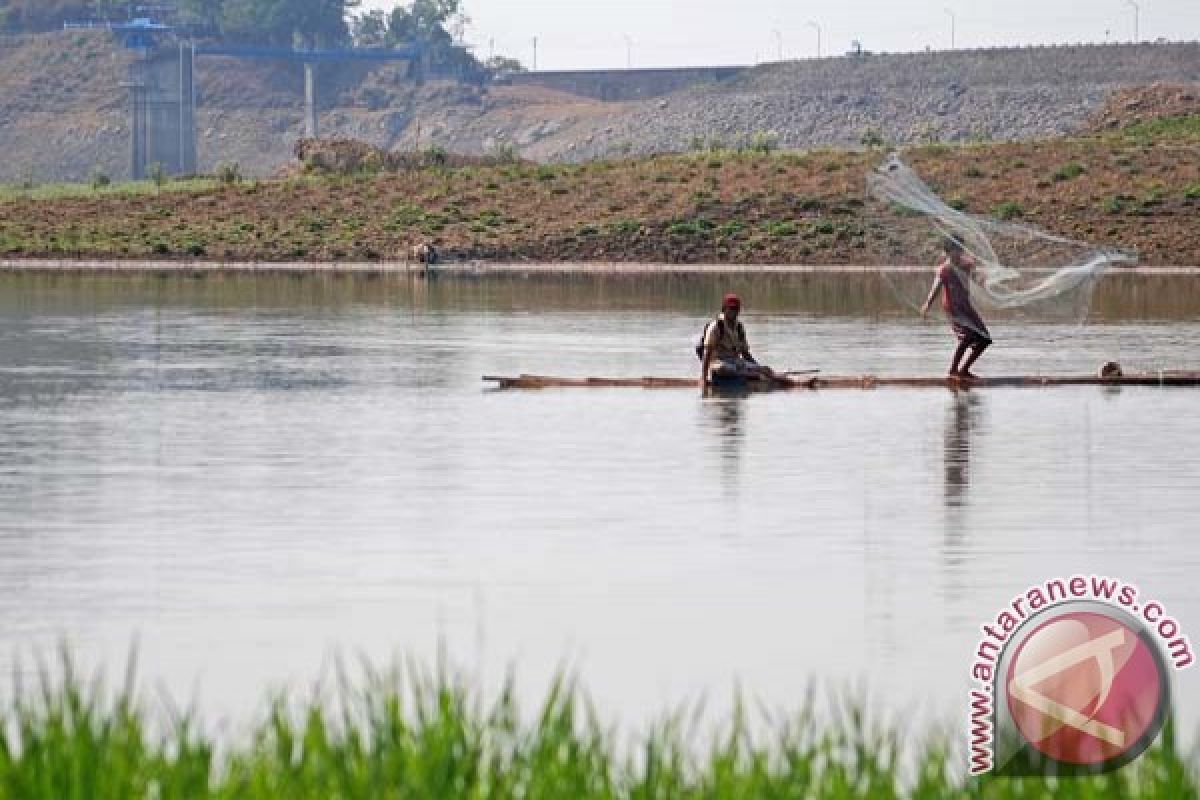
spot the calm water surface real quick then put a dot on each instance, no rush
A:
(252, 476)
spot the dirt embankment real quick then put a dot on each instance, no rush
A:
(1122, 190)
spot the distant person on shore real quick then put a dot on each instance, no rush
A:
(724, 350)
(954, 275)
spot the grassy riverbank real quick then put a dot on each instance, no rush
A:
(431, 737)
(1136, 189)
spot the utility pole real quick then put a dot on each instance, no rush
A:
(1137, 12)
(628, 52)
(778, 41)
(535, 54)
(953, 25)
(491, 48)
(817, 28)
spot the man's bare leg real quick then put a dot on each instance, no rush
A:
(959, 352)
(976, 352)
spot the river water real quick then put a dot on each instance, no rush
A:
(253, 476)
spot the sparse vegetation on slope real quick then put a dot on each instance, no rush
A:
(711, 206)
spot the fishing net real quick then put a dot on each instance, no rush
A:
(986, 265)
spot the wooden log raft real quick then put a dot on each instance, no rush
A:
(1162, 378)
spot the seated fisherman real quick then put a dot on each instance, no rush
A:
(725, 352)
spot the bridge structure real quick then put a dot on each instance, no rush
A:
(162, 87)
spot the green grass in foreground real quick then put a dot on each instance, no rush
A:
(429, 736)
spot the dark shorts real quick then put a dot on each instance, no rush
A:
(733, 368)
(971, 331)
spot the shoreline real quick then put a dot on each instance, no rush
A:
(483, 269)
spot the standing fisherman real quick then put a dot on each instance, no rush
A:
(724, 351)
(953, 282)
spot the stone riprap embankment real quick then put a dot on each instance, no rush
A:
(1003, 94)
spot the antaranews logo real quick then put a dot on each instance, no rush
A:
(1073, 677)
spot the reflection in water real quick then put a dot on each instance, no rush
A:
(964, 415)
(1122, 295)
(723, 417)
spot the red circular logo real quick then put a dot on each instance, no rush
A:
(1085, 689)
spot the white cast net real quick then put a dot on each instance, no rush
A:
(1006, 266)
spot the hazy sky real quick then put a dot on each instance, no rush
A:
(669, 32)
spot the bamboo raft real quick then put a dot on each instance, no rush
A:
(816, 382)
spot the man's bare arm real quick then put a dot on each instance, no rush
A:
(933, 293)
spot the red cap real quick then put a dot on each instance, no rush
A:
(731, 301)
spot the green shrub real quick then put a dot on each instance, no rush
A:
(436, 156)
(1155, 196)
(1192, 193)
(1009, 209)
(764, 141)
(229, 173)
(157, 174)
(504, 153)
(731, 229)
(872, 138)
(491, 218)
(1069, 171)
(100, 179)
(690, 227)
(1115, 204)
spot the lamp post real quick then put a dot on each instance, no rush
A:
(953, 25)
(1137, 11)
(535, 54)
(817, 28)
(628, 52)
(778, 41)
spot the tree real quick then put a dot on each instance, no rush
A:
(370, 29)
(422, 20)
(281, 22)
(203, 12)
